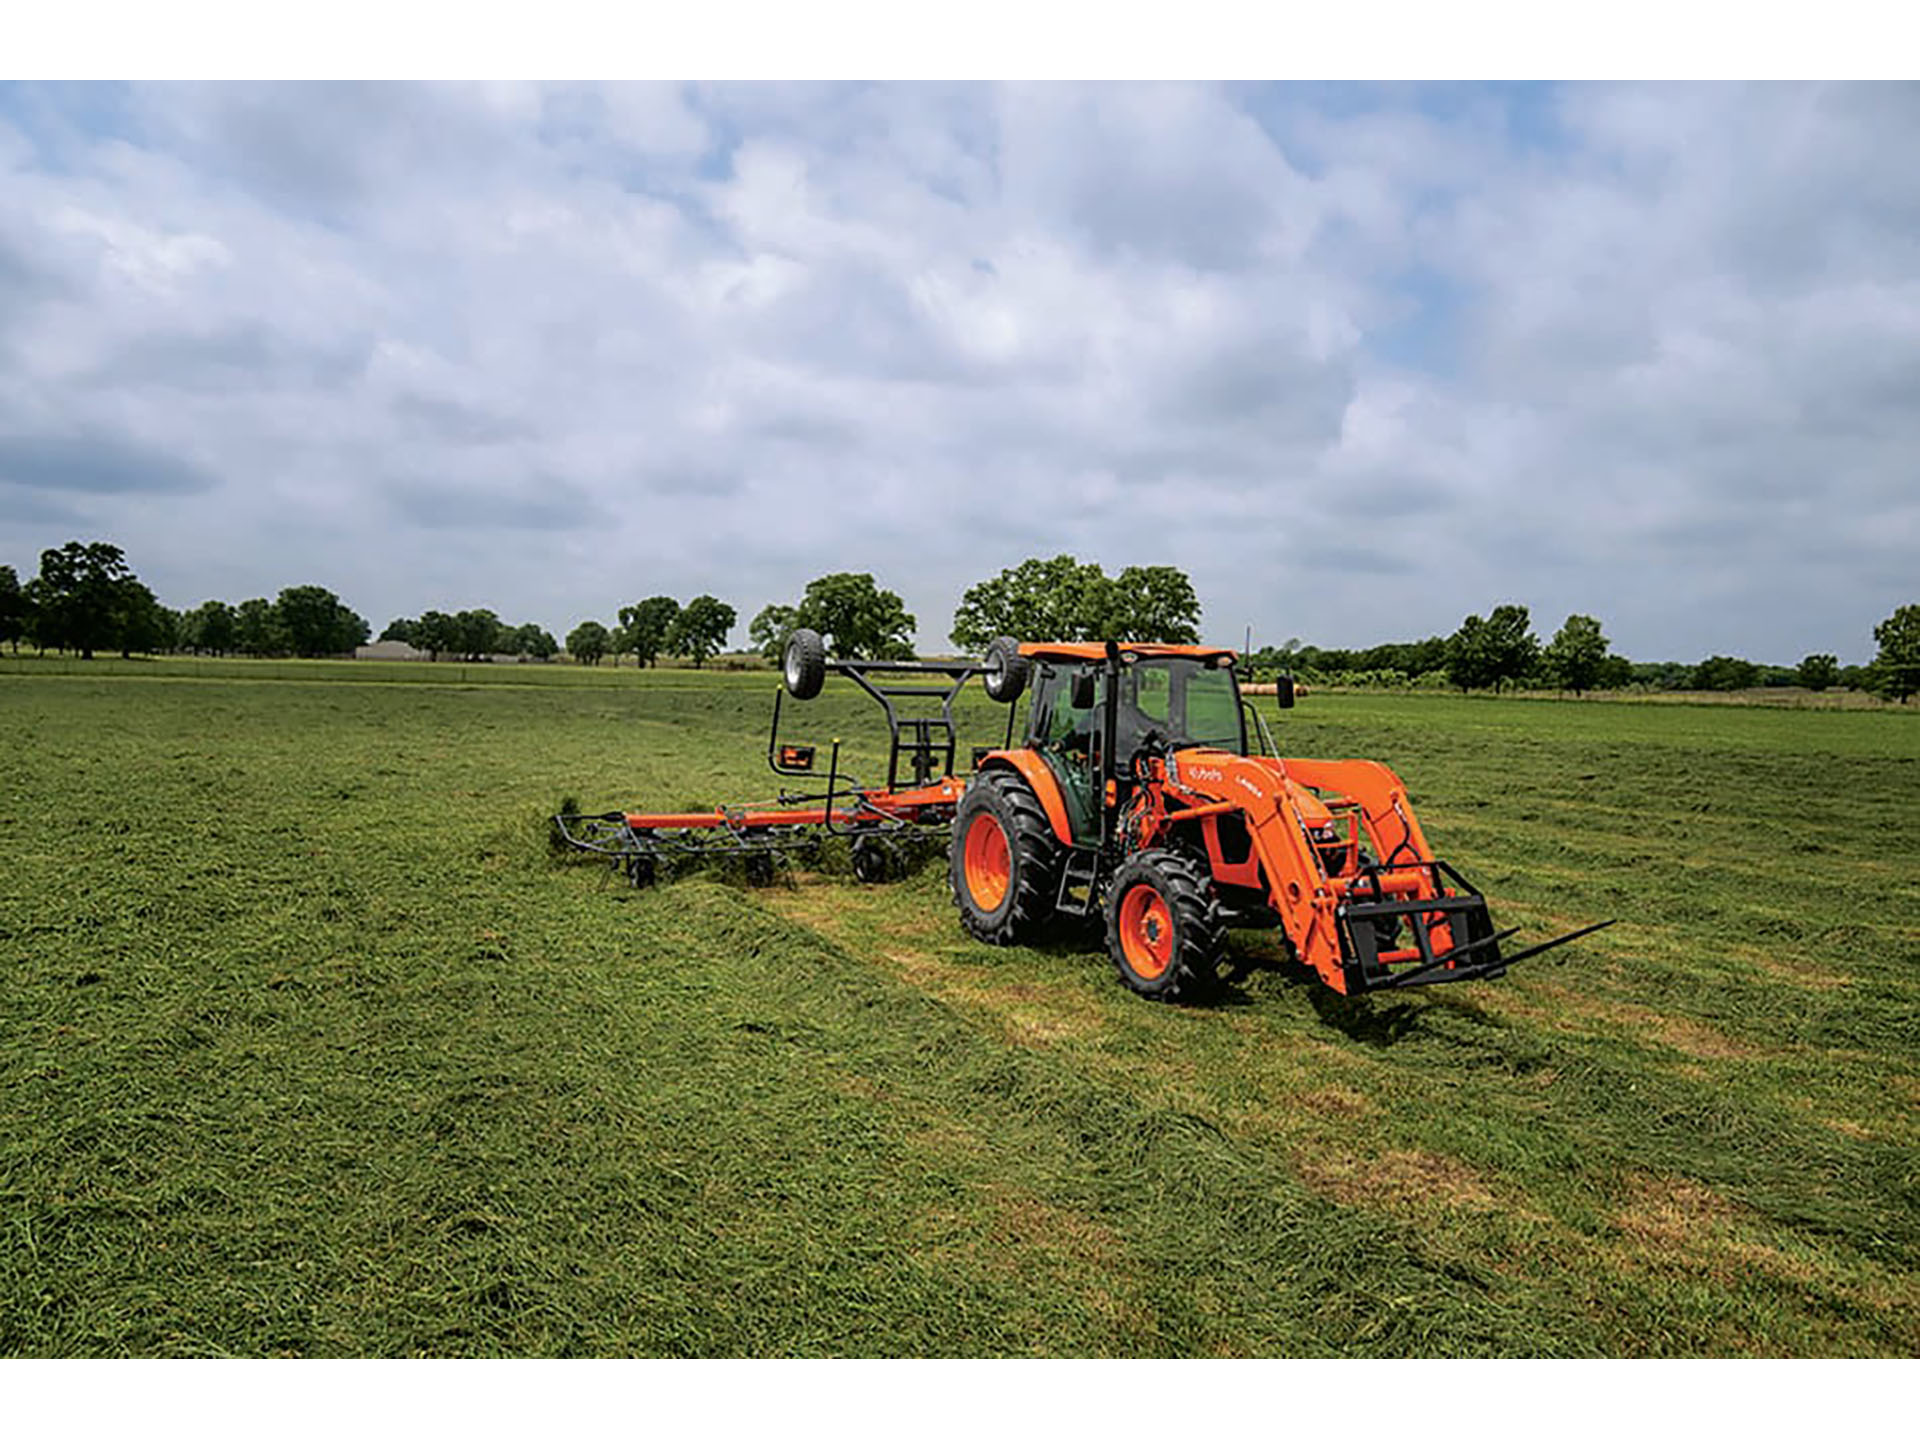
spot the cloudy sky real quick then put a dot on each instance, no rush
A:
(1360, 359)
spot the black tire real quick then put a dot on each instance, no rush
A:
(805, 664)
(1024, 904)
(1163, 927)
(1006, 670)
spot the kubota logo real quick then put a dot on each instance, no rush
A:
(1202, 772)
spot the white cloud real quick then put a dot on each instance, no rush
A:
(1360, 360)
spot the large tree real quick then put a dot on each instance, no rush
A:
(80, 593)
(477, 633)
(210, 629)
(13, 609)
(1152, 603)
(644, 628)
(315, 622)
(143, 623)
(407, 632)
(1819, 672)
(770, 628)
(1034, 600)
(588, 641)
(1064, 599)
(701, 629)
(1470, 655)
(1511, 644)
(1896, 669)
(437, 633)
(1725, 672)
(1577, 655)
(532, 640)
(257, 629)
(860, 620)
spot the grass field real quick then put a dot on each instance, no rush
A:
(309, 1046)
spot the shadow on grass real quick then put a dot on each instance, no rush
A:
(1372, 1020)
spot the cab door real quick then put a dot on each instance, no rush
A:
(1068, 736)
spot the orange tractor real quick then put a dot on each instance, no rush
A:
(1147, 793)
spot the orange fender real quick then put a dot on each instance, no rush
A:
(1040, 778)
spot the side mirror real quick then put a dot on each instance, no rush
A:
(1083, 687)
(1283, 692)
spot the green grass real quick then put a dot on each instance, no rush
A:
(309, 1046)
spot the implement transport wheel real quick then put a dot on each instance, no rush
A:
(804, 665)
(1006, 670)
(1163, 927)
(1003, 860)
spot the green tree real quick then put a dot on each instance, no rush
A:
(1577, 655)
(644, 628)
(860, 620)
(142, 622)
(1063, 599)
(209, 630)
(1896, 669)
(13, 609)
(1725, 672)
(532, 640)
(1511, 644)
(770, 628)
(588, 641)
(1819, 672)
(1153, 603)
(80, 595)
(1470, 663)
(437, 633)
(316, 623)
(407, 632)
(257, 629)
(476, 634)
(700, 629)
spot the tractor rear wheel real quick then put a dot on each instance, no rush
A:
(1004, 861)
(1163, 926)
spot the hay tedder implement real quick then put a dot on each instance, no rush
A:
(1146, 793)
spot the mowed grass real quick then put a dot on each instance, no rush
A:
(308, 1045)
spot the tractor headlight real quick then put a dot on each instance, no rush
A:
(1173, 769)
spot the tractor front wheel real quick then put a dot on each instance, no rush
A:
(1004, 860)
(1163, 927)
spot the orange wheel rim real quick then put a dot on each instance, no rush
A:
(1146, 932)
(989, 868)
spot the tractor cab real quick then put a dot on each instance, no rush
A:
(1164, 697)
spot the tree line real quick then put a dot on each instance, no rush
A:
(471, 635)
(86, 599)
(1500, 651)
(659, 625)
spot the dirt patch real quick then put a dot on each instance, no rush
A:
(1337, 1101)
(1397, 1180)
(1850, 1128)
(1563, 1009)
(1681, 1223)
(1675, 1212)
(1796, 971)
